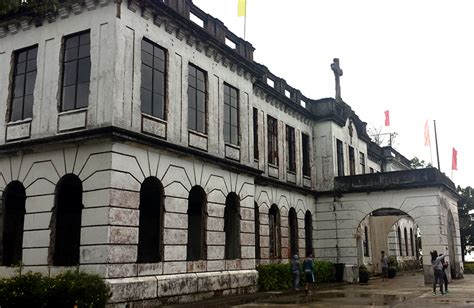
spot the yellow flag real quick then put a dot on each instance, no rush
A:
(242, 8)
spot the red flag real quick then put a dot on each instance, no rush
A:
(455, 160)
(427, 134)
(387, 118)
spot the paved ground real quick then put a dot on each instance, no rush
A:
(408, 290)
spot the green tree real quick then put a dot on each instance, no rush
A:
(466, 224)
(416, 163)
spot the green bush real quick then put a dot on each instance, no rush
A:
(468, 267)
(392, 272)
(273, 277)
(65, 290)
(324, 271)
(364, 274)
(392, 261)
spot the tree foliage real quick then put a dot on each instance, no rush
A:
(416, 163)
(466, 224)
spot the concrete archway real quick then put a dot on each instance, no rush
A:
(338, 215)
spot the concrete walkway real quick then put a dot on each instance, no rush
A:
(407, 290)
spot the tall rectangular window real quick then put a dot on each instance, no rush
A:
(76, 71)
(306, 155)
(153, 89)
(197, 109)
(231, 115)
(291, 151)
(24, 78)
(340, 158)
(362, 162)
(272, 126)
(255, 133)
(351, 161)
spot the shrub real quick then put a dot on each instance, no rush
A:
(364, 274)
(273, 277)
(468, 268)
(392, 261)
(324, 271)
(392, 272)
(65, 290)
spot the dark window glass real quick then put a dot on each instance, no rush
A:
(257, 231)
(411, 243)
(371, 170)
(196, 248)
(308, 230)
(24, 79)
(231, 115)
(340, 158)
(362, 162)
(232, 227)
(255, 133)
(12, 220)
(272, 127)
(153, 88)
(151, 221)
(67, 215)
(399, 233)
(274, 229)
(306, 155)
(351, 161)
(406, 241)
(366, 242)
(291, 150)
(76, 71)
(197, 112)
(293, 222)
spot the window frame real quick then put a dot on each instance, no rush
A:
(291, 149)
(306, 151)
(362, 162)
(272, 135)
(154, 69)
(228, 120)
(197, 91)
(255, 134)
(13, 84)
(340, 157)
(62, 107)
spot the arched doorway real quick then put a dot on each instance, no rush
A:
(274, 232)
(12, 223)
(293, 229)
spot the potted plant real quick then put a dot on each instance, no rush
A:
(364, 274)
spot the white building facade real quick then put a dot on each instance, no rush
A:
(143, 143)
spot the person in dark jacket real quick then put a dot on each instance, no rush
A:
(295, 272)
(438, 271)
(308, 268)
(445, 277)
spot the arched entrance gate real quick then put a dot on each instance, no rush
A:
(425, 195)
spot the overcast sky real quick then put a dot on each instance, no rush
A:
(414, 58)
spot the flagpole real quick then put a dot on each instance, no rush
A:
(245, 21)
(436, 141)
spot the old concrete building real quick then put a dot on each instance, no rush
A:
(142, 142)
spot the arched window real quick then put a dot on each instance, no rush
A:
(274, 226)
(66, 221)
(366, 242)
(406, 241)
(150, 232)
(411, 242)
(293, 222)
(196, 249)
(257, 231)
(232, 226)
(13, 211)
(399, 233)
(308, 232)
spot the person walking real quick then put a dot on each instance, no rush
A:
(438, 271)
(445, 277)
(295, 271)
(384, 262)
(308, 268)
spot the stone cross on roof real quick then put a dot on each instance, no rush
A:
(337, 74)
